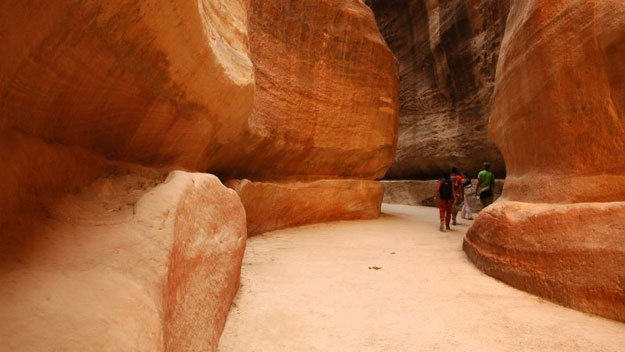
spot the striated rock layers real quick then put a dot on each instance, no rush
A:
(558, 120)
(326, 93)
(447, 52)
(99, 100)
(119, 81)
(135, 81)
(325, 108)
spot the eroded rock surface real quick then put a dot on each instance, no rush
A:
(135, 81)
(174, 86)
(127, 264)
(325, 108)
(89, 90)
(93, 90)
(326, 93)
(558, 120)
(447, 52)
(570, 253)
(270, 206)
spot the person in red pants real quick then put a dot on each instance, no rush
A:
(456, 181)
(446, 198)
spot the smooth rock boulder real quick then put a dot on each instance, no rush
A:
(273, 205)
(558, 120)
(447, 52)
(573, 254)
(127, 264)
(173, 86)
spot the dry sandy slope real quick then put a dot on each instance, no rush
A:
(310, 289)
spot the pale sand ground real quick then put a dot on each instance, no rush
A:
(310, 289)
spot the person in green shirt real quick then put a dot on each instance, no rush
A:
(485, 186)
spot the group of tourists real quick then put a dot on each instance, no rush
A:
(453, 189)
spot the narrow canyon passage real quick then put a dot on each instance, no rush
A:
(315, 288)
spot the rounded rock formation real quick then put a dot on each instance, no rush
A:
(558, 120)
(96, 93)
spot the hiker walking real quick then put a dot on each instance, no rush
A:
(446, 198)
(456, 181)
(466, 212)
(485, 190)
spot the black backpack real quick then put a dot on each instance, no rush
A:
(446, 190)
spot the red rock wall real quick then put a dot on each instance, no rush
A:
(558, 120)
(271, 206)
(93, 90)
(325, 108)
(141, 82)
(111, 78)
(448, 52)
(326, 93)
(113, 81)
(558, 109)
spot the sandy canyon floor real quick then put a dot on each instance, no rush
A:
(392, 284)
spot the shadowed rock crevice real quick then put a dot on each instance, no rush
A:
(447, 52)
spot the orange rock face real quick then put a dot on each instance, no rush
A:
(90, 89)
(569, 123)
(124, 266)
(120, 81)
(142, 82)
(99, 99)
(558, 120)
(326, 93)
(325, 108)
(271, 206)
(109, 77)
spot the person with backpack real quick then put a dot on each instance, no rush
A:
(466, 212)
(485, 190)
(446, 198)
(458, 186)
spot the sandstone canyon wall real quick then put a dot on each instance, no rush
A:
(558, 119)
(98, 102)
(326, 93)
(325, 108)
(112, 80)
(447, 52)
(101, 100)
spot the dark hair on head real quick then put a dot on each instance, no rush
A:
(446, 177)
(465, 173)
(454, 170)
(486, 165)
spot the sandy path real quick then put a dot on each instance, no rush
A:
(310, 289)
